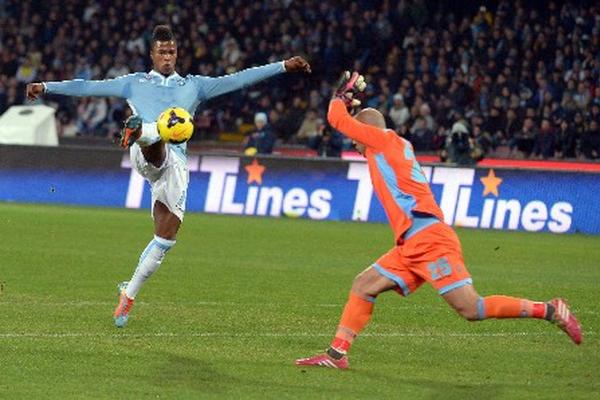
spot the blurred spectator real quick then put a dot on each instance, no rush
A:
(545, 141)
(261, 140)
(83, 70)
(118, 69)
(482, 139)
(231, 55)
(92, 112)
(327, 142)
(309, 127)
(512, 125)
(425, 114)
(277, 120)
(590, 142)
(582, 96)
(26, 72)
(494, 126)
(292, 119)
(525, 138)
(399, 112)
(65, 126)
(566, 141)
(421, 137)
(459, 148)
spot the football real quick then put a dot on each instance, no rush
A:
(175, 125)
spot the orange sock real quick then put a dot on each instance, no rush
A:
(356, 315)
(511, 307)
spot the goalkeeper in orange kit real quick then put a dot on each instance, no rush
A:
(426, 248)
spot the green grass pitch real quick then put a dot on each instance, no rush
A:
(238, 299)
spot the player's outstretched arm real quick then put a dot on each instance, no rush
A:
(117, 87)
(212, 87)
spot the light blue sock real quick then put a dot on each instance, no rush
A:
(149, 262)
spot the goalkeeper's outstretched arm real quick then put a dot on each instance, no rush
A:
(342, 121)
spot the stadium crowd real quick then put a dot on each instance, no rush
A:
(514, 75)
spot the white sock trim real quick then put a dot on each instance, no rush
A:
(149, 134)
(164, 242)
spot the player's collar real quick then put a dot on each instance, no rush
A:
(165, 79)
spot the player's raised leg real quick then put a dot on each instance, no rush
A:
(357, 313)
(473, 307)
(146, 136)
(166, 225)
(155, 153)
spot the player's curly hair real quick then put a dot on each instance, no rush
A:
(162, 33)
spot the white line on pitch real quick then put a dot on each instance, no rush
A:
(203, 303)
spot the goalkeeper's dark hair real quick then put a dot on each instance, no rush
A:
(162, 33)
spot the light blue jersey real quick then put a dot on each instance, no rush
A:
(149, 94)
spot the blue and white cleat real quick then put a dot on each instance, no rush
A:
(121, 314)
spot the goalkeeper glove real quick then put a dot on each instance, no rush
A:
(350, 86)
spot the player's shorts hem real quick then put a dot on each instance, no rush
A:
(455, 285)
(175, 211)
(397, 280)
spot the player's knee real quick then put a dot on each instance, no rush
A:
(467, 311)
(358, 285)
(464, 300)
(361, 285)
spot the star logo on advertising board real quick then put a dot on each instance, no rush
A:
(255, 172)
(491, 183)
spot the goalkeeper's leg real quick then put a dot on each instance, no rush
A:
(471, 306)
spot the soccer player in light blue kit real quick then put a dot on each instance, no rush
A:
(163, 165)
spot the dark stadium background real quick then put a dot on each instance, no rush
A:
(499, 95)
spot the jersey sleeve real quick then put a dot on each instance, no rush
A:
(117, 87)
(212, 87)
(342, 121)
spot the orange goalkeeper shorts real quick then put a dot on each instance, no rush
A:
(433, 254)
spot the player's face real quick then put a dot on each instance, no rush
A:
(359, 147)
(164, 56)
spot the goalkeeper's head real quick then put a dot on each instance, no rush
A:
(369, 116)
(163, 50)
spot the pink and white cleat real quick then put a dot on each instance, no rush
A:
(324, 360)
(564, 318)
(121, 314)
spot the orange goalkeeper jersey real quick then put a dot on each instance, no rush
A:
(397, 177)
